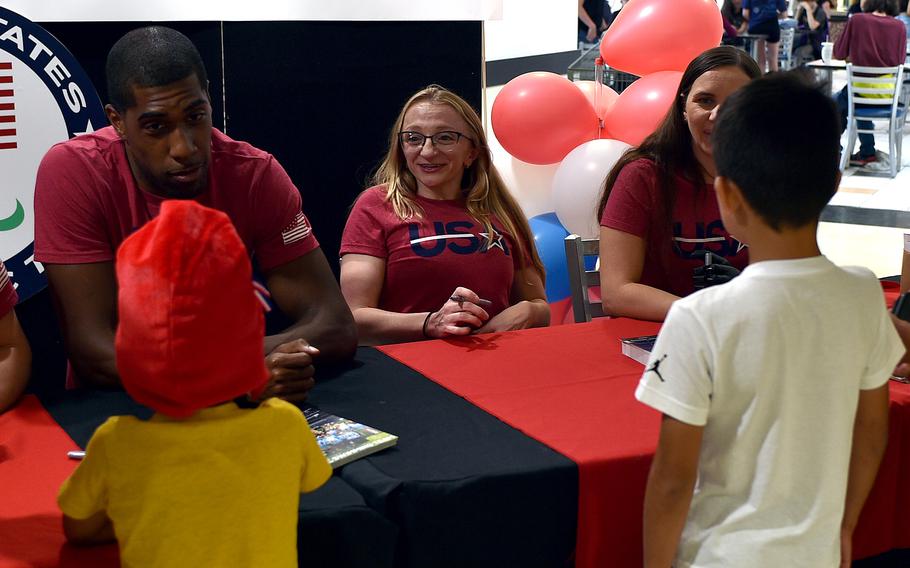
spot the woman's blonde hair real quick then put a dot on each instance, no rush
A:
(484, 191)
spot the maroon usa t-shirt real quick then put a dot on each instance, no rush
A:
(636, 207)
(87, 202)
(428, 257)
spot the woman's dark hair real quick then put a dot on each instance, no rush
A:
(670, 146)
(887, 6)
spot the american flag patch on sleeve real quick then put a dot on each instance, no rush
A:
(298, 230)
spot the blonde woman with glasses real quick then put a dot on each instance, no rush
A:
(438, 247)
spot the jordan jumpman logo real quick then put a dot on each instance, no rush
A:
(655, 367)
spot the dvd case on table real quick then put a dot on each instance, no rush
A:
(639, 348)
(342, 440)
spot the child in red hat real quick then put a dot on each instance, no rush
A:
(203, 482)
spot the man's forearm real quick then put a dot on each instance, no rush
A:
(98, 374)
(95, 365)
(335, 335)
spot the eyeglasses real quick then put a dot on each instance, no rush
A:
(444, 139)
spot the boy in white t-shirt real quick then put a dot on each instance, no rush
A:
(767, 381)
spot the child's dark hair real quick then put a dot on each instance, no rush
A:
(778, 139)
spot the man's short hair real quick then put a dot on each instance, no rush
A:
(889, 7)
(778, 139)
(150, 57)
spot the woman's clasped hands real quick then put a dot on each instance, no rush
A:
(461, 314)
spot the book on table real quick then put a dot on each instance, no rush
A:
(639, 348)
(342, 440)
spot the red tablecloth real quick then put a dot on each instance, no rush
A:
(33, 464)
(572, 389)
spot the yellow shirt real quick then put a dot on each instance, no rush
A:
(220, 488)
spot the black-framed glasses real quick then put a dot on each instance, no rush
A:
(444, 139)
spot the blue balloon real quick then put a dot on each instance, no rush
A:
(591, 262)
(549, 238)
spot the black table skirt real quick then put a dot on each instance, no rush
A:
(461, 488)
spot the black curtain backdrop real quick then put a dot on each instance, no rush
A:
(320, 96)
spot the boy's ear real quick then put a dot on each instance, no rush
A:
(730, 200)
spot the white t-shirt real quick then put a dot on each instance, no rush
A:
(771, 364)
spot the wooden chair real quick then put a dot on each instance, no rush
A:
(581, 280)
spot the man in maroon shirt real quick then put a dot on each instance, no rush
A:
(871, 39)
(96, 189)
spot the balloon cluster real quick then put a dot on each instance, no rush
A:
(543, 118)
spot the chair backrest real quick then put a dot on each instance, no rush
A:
(874, 86)
(581, 280)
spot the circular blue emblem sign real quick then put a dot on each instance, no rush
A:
(45, 98)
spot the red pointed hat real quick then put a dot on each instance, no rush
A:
(191, 328)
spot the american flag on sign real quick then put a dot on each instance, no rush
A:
(4, 276)
(298, 230)
(7, 107)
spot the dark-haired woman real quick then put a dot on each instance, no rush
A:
(658, 214)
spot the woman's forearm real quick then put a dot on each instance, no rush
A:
(377, 327)
(637, 301)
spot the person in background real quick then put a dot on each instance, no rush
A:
(438, 246)
(785, 369)
(871, 39)
(590, 21)
(904, 15)
(812, 18)
(855, 7)
(91, 192)
(202, 482)
(658, 215)
(733, 12)
(730, 33)
(762, 16)
(15, 354)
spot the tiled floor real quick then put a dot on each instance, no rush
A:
(876, 247)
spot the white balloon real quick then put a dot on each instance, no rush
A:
(578, 182)
(529, 184)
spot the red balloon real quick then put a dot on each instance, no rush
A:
(608, 96)
(540, 117)
(661, 35)
(641, 107)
